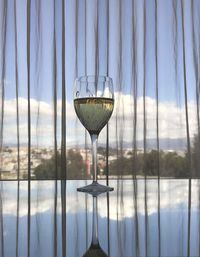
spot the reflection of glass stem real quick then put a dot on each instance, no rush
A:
(94, 138)
(95, 241)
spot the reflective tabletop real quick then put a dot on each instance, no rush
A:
(139, 218)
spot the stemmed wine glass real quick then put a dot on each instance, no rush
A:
(94, 103)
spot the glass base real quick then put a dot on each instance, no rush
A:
(95, 189)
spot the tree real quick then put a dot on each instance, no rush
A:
(75, 167)
(195, 156)
(121, 166)
(174, 165)
(47, 169)
(151, 163)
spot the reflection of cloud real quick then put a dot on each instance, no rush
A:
(173, 197)
(42, 197)
(172, 122)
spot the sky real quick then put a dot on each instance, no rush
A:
(120, 65)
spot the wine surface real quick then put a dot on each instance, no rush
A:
(94, 112)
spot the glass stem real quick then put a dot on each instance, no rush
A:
(94, 138)
(95, 240)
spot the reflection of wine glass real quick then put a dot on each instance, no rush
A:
(93, 103)
(95, 249)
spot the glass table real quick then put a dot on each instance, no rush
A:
(136, 219)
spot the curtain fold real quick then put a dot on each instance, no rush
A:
(149, 151)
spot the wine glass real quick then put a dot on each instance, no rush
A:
(94, 103)
(95, 249)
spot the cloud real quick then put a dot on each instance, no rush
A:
(42, 120)
(5, 82)
(171, 120)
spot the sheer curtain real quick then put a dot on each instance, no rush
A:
(149, 150)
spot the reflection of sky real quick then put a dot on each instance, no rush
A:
(173, 193)
(173, 217)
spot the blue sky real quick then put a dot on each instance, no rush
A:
(171, 88)
(42, 48)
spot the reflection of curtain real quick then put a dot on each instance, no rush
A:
(149, 48)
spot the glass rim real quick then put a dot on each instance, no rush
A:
(93, 78)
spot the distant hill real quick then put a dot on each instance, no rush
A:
(179, 144)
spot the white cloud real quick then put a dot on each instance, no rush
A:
(172, 122)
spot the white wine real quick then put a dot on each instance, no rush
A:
(94, 112)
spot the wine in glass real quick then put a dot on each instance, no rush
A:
(94, 103)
